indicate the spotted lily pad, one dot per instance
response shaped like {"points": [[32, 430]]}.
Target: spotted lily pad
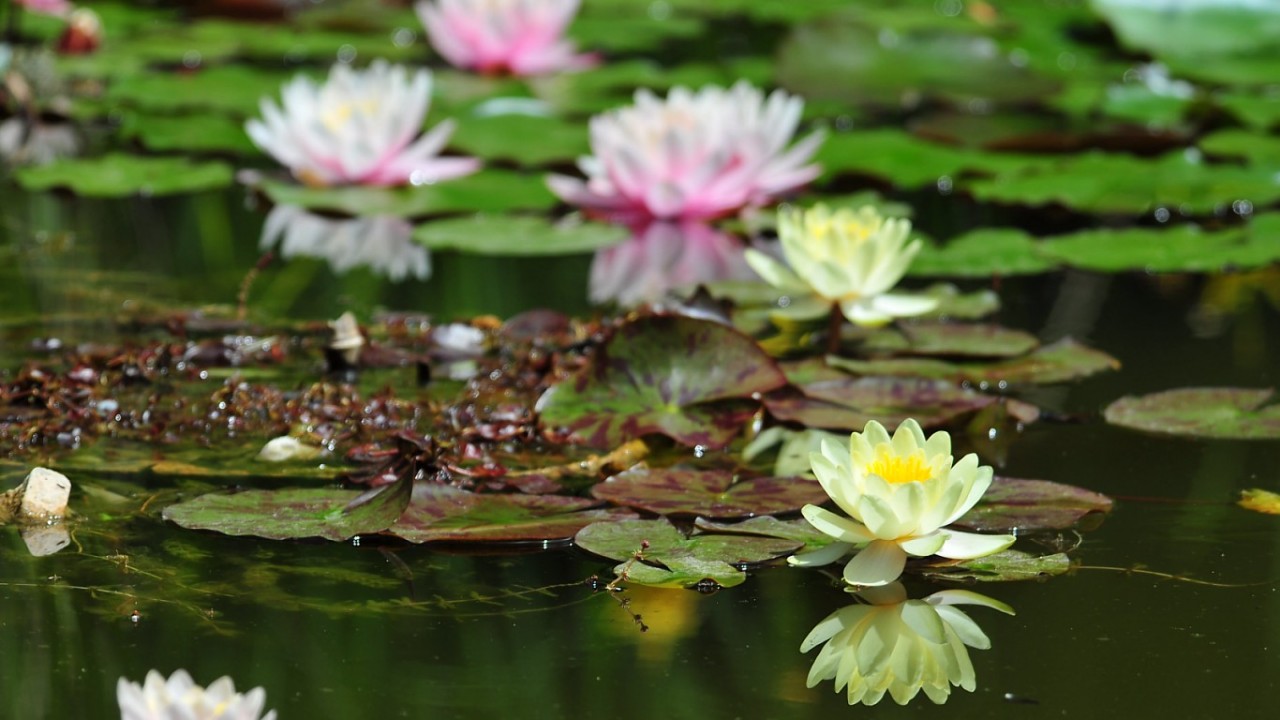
{"points": [[1003, 566], [1015, 504], [1059, 362], [328, 513], [709, 493], [975, 340], [849, 403], [119, 175], [485, 191], [511, 235], [678, 376], [1237, 413], [672, 560], [440, 513]]}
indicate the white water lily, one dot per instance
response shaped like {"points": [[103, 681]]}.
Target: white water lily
{"points": [[692, 155], [851, 258], [900, 494], [359, 127], [179, 698], [895, 646]]}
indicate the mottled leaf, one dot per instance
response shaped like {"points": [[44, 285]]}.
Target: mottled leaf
{"points": [[1014, 504], [1000, 567], [849, 403], [1059, 362], [1236, 413], [709, 493], [440, 513], [678, 376], [976, 340]]}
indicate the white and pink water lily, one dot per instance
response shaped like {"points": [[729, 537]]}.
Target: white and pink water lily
{"points": [[179, 698], [900, 493], [899, 647], [849, 258], [56, 8], [359, 127], [521, 37], [692, 155]]}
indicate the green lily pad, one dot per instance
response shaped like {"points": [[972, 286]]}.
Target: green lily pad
{"points": [[440, 513], [675, 375], [1253, 148], [520, 236], [230, 89], [984, 252], [205, 132], [643, 32], [1235, 413], [485, 191], [1258, 110], [673, 560], [118, 175], [1112, 183], [1059, 362], [968, 339], [895, 156], [327, 513], [528, 140], [1017, 505], [1177, 249], [849, 403], [709, 493], [1004, 566]]}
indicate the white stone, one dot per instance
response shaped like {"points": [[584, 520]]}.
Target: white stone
{"points": [[45, 540], [45, 494]]}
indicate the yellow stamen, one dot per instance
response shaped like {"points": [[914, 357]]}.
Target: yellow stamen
{"points": [[898, 469]]}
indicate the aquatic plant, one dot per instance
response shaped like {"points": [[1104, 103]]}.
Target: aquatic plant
{"points": [[358, 127], [901, 493], [56, 8], [179, 698], [847, 258], [889, 644], [692, 155], [521, 37]]}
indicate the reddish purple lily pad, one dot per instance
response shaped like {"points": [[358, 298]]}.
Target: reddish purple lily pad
{"points": [[964, 339], [679, 376], [328, 513], [709, 493], [1015, 504], [440, 513], [848, 403], [1059, 362], [1235, 413]]}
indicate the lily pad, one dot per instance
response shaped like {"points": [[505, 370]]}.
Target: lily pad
{"points": [[205, 132], [678, 376], [709, 493], [900, 158], [485, 191], [327, 513], [1004, 566], [119, 175], [1178, 249], [968, 339], [440, 513], [1235, 413], [520, 236], [769, 526], [1017, 505], [1062, 361], [229, 89], [672, 560], [525, 139], [849, 403], [983, 253]]}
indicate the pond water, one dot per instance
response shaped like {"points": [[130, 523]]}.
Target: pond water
{"points": [[1172, 605]]}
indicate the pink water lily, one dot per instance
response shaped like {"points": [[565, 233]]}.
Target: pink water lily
{"points": [[693, 155], [57, 8], [521, 37], [359, 127]]}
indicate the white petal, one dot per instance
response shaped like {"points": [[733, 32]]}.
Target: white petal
{"points": [[880, 563], [967, 546]]}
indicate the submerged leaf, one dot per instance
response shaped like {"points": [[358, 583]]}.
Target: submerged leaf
{"points": [[675, 375], [1235, 413], [709, 493]]}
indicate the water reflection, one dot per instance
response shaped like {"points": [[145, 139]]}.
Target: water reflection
{"points": [[886, 643], [382, 243], [662, 257]]}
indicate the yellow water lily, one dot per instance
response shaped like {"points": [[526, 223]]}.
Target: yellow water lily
{"points": [[849, 258], [900, 493], [891, 645]]}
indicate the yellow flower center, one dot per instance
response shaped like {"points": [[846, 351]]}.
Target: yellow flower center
{"points": [[898, 469], [339, 115]]}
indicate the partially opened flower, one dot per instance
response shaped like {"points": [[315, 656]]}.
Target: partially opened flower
{"points": [[382, 243], [663, 257], [694, 155], [522, 37], [898, 646], [359, 127], [900, 494], [847, 258], [179, 698]]}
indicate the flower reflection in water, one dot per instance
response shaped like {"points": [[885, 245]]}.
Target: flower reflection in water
{"points": [[889, 644], [662, 257], [383, 243], [179, 698]]}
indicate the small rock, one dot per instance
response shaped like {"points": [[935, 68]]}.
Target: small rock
{"points": [[45, 540], [44, 494], [287, 448]]}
